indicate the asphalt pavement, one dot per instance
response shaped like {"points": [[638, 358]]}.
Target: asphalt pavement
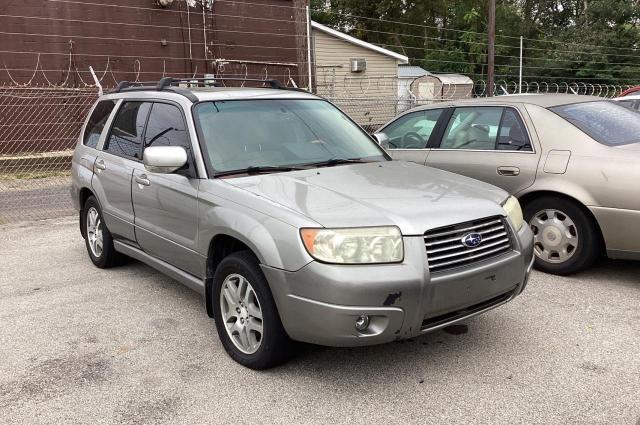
{"points": [[129, 345]]}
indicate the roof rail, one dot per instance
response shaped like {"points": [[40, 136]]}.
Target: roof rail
{"points": [[167, 84], [168, 81]]}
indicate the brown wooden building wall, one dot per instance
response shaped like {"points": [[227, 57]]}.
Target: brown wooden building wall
{"points": [[54, 42], [136, 38]]}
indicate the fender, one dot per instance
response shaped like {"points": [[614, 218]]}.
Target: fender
{"points": [[250, 228]]}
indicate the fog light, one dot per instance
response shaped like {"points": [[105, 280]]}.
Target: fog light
{"points": [[362, 322]]}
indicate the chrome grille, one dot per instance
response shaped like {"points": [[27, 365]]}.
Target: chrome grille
{"points": [[445, 248]]}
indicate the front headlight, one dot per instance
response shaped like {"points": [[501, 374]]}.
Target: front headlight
{"points": [[514, 212], [366, 245]]}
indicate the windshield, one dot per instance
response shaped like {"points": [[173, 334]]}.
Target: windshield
{"points": [[604, 121], [241, 134]]}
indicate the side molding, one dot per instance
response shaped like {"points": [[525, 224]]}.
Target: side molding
{"points": [[186, 279]]}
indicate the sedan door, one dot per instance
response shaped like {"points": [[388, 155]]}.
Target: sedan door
{"points": [[410, 133], [166, 205], [114, 165], [488, 143]]}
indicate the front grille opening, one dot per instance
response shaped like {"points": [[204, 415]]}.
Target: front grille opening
{"points": [[446, 250], [432, 322]]}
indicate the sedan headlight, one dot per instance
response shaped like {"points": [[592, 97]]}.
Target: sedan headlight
{"points": [[514, 212], [366, 245]]}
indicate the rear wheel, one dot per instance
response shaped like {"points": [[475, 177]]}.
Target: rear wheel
{"points": [[565, 238], [245, 314], [98, 240]]}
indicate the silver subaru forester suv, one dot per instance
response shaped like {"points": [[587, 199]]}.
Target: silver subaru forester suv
{"points": [[290, 220]]}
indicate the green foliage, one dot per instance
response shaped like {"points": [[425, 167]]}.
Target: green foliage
{"points": [[565, 40]]}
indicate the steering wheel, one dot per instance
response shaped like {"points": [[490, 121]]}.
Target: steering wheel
{"points": [[412, 140]]}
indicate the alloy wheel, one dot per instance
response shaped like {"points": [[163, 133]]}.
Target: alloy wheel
{"points": [[241, 313], [94, 232]]}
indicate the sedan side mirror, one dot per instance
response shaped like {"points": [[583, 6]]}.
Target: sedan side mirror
{"points": [[382, 139], [164, 159]]}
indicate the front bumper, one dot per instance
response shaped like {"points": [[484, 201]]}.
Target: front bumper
{"points": [[320, 303]]}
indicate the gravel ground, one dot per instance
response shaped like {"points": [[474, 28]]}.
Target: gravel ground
{"points": [[128, 345], [34, 198]]}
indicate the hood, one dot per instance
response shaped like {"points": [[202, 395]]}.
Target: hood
{"points": [[413, 197]]}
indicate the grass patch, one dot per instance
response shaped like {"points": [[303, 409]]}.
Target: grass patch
{"points": [[35, 175]]}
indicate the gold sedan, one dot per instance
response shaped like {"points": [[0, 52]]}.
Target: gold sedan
{"points": [[572, 161]]}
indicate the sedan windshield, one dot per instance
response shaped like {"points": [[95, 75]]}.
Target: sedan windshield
{"points": [[266, 134], [604, 121]]}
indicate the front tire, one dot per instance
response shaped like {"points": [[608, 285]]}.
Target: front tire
{"points": [[245, 314], [97, 237], [566, 240]]}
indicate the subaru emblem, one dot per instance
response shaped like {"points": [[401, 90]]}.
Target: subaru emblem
{"points": [[471, 240]]}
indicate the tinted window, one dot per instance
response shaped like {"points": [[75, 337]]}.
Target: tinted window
{"points": [[243, 133], [412, 131], [513, 135], [604, 121], [127, 130], [473, 128], [97, 121]]}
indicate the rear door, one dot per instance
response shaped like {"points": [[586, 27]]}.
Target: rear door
{"points": [[488, 143], [165, 205], [114, 165], [410, 134]]}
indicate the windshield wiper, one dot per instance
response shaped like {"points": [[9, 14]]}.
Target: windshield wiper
{"points": [[337, 161], [258, 170]]}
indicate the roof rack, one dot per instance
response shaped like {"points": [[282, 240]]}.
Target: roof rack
{"points": [[169, 84], [168, 81]]}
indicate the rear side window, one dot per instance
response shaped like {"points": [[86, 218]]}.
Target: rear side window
{"points": [[604, 121], [513, 135], [473, 128], [125, 138], [96, 123]]}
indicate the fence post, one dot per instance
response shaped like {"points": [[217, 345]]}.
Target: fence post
{"points": [[93, 74], [309, 46], [520, 75]]}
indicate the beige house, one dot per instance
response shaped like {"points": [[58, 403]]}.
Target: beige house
{"points": [[359, 77]]}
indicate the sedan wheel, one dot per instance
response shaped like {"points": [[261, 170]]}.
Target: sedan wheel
{"points": [[565, 237], [555, 236], [241, 313]]}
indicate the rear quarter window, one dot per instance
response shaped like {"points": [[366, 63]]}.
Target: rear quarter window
{"points": [[604, 121], [96, 122]]}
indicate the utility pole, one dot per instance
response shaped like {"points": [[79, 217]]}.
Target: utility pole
{"points": [[491, 50]]}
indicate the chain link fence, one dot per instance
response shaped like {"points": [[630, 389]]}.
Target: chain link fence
{"points": [[38, 130], [40, 125]]}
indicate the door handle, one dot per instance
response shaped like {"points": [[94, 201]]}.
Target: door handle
{"points": [[100, 165], [508, 171], [142, 180]]}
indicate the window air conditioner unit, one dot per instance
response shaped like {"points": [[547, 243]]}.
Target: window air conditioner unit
{"points": [[358, 65]]}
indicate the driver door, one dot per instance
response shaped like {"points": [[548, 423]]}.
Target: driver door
{"points": [[410, 134]]}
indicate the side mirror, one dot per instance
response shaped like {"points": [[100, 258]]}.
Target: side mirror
{"points": [[164, 159], [382, 139]]}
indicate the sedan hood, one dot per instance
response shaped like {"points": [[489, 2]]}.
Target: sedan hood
{"points": [[413, 197]]}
